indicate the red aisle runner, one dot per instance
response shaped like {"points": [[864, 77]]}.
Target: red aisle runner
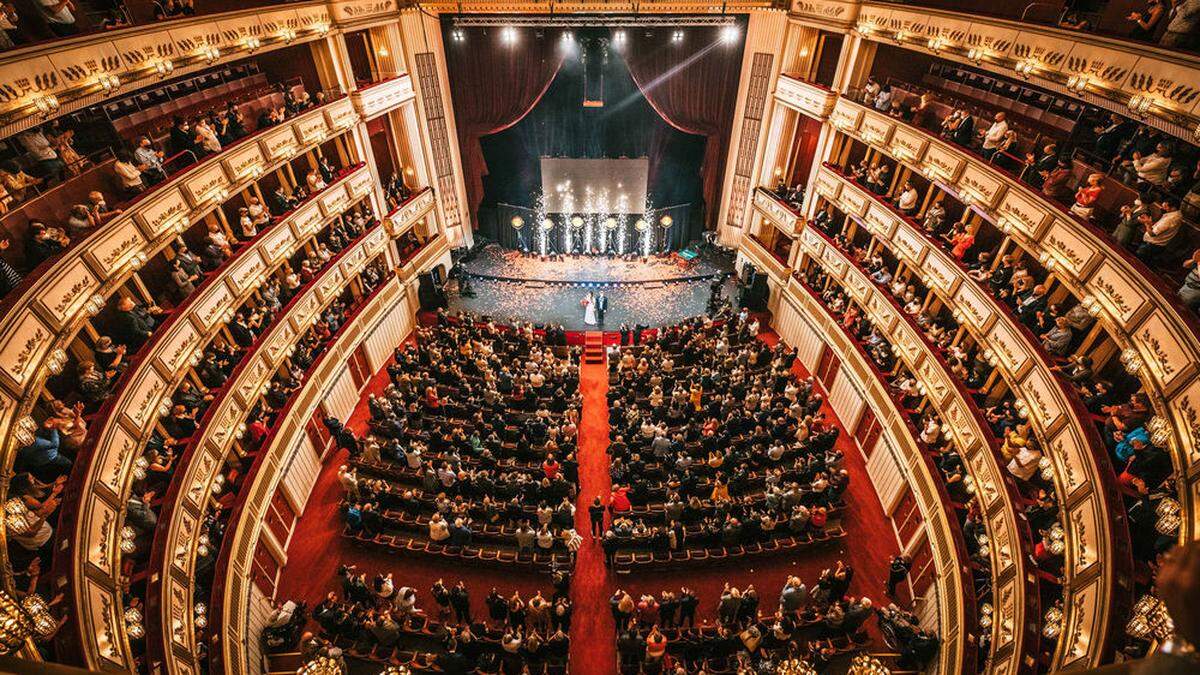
{"points": [[593, 632]]}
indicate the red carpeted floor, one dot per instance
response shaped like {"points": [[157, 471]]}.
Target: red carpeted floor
{"points": [[593, 632], [317, 548]]}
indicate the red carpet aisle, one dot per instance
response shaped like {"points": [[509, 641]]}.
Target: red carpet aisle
{"points": [[593, 632]]}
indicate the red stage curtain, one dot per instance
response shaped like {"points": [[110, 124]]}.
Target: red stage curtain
{"points": [[493, 87], [692, 85]]}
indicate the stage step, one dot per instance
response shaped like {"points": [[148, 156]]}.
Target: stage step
{"points": [[593, 347]]}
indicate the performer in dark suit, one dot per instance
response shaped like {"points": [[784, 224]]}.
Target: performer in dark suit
{"points": [[601, 307]]}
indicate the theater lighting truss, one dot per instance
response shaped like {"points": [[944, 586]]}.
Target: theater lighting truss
{"points": [[596, 21]]}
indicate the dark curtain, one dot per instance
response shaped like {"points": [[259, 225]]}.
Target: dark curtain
{"points": [[693, 85], [493, 86], [561, 126]]}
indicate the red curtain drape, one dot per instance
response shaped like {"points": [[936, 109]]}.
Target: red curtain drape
{"points": [[692, 85], [493, 87]]}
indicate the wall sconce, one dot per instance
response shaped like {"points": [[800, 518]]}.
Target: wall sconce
{"points": [[1160, 431], [108, 82], [1168, 517], [1057, 539], [795, 667], [56, 360], [128, 540], [1025, 67], [210, 54], [322, 665], [195, 358], [1047, 259], [202, 546], [929, 171], [937, 44], [241, 431], [990, 357], [138, 259], [383, 52], [287, 35], [1150, 619], [321, 28], [218, 484], [1092, 304], [1196, 133], [865, 28], [252, 43], [46, 105], [1131, 360], [865, 664], [901, 36], [966, 197], [139, 468], [985, 615], [133, 623], [1052, 621], [977, 54], [201, 612], [1046, 469], [1078, 82], [1140, 104], [94, 304], [21, 621], [969, 484], [164, 67], [26, 430]]}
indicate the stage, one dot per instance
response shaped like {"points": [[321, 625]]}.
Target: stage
{"points": [[510, 286]]}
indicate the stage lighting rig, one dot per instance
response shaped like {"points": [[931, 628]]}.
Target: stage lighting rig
{"points": [[580, 21]]}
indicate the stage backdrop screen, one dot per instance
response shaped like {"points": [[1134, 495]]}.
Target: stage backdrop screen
{"points": [[594, 185]]}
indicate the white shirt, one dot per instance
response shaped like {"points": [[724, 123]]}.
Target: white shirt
{"points": [[908, 199], [995, 134]]}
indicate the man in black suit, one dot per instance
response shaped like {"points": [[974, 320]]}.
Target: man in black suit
{"points": [[601, 307]]}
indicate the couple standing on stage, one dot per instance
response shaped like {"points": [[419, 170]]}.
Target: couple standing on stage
{"points": [[594, 307]]}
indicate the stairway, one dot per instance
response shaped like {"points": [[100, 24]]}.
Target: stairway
{"points": [[593, 347]]}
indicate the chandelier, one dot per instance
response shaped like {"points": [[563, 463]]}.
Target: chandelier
{"points": [[20, 621], [865, 664], [1150, 619], [795, 667], [321, 665]]}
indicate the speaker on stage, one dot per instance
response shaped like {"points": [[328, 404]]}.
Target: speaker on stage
{"points": [[752, 289], [429, 292]]}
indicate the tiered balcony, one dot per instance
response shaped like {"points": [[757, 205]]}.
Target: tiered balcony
{"points": [[44, 314], [1098, 568], [780, 214], [95, 510], [1017, 600], [802, 321], [762, 258], [1139, 310], [388, 310]]}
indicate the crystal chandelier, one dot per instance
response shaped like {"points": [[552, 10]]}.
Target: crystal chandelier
{"points": [[321, 665], [795, 667], [865, 664], [1150, 619]]}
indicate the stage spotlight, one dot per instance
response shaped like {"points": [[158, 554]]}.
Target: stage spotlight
{"points": [[619, 38], [729, 34], [508, 35], [518, 222], [666, 221], [677, 36], [458, 35], [568, 36]]}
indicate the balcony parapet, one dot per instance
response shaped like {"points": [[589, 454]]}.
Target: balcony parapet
{"points": [[779, 213], [1133, 78], [170, 599], [809, 98], [956, 615], [1159, 336], [383, 97], [233, 578], [1098, 560], [755, 252], [93, 515], [1016, 597], [42, 317]]}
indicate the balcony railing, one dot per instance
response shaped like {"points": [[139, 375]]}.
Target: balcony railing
{"points": [[955, 603], [93, 513], [1083, 471], [232, 585], [1142, 314], [1017, 598], [380, 97]]}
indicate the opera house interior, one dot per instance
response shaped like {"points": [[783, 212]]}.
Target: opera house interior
{"points": [[378, 337]]}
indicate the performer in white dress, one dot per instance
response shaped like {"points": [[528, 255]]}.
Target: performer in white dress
{"points": [[589, 309]]}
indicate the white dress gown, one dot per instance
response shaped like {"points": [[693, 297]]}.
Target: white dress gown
{"points": [[589, 313]]}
